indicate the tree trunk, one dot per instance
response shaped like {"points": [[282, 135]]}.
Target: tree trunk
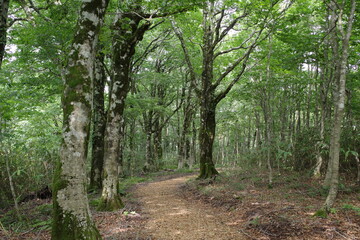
{"points": [[184, 151], [99, 121], [127, 33], [131, 157], [12, 188], [193, 158], [149, 164], [157, 140], [206, 139], [324, 89], [4, 8], [339, 104], [71, 217], [268, 118], [358, 169], [214, 31]]}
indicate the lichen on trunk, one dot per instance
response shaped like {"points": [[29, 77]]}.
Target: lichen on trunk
{"points": [[127, 33], [71, 213]]}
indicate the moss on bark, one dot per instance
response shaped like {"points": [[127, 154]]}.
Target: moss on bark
{"points": [[208, 171], [112, 204], [66, 226]]}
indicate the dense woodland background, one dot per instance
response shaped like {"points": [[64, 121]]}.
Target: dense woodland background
{"points": [[270, 72]]}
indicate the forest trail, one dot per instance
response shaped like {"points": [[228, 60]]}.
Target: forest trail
{"points": [[171, 216]]}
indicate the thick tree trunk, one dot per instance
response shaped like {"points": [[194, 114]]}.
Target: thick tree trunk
{"points": [[99, 121], [127, 34], [214, 31], [4, 8], [72, 218], [206, 139], [207, 99]]}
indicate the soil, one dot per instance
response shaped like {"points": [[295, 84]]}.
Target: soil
{"points": [[171, 216], [233, 207]]}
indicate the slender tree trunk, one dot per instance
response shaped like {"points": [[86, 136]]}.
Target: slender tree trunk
{"points": [[324, 89], [186, 129], [268, 118], [121, 148], [193, 157], [4, 8], [340, 104], [12, 188], [71, 217], [99, 121], [131, 158], [358, 169], [149, 163], [157, 140]]}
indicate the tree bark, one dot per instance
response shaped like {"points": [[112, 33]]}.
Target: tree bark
{"points": [[206, 139], [99, 121], [71, 217], [207, 99], [4, 8]]}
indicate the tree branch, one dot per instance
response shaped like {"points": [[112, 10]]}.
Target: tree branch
{"points": [[241, 46], [223, 94], [220, 37], [187, 58]]}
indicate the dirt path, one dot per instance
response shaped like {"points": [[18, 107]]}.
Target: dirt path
{"points": [[170, 216]]}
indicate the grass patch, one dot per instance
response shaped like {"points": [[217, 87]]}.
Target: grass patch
{"points": [[352, 207], [32, 216], [126, 183]]}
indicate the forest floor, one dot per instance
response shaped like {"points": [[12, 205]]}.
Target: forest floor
{"points": [[236, 205]]}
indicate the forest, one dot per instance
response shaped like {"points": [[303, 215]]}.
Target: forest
{"points": [[179, 119]]}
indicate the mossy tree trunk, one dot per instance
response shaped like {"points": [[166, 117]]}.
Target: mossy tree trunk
{"points": [[99, 120], [206, 138], [4, 8], [127, 32], [216, 26], [71, 214]]}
